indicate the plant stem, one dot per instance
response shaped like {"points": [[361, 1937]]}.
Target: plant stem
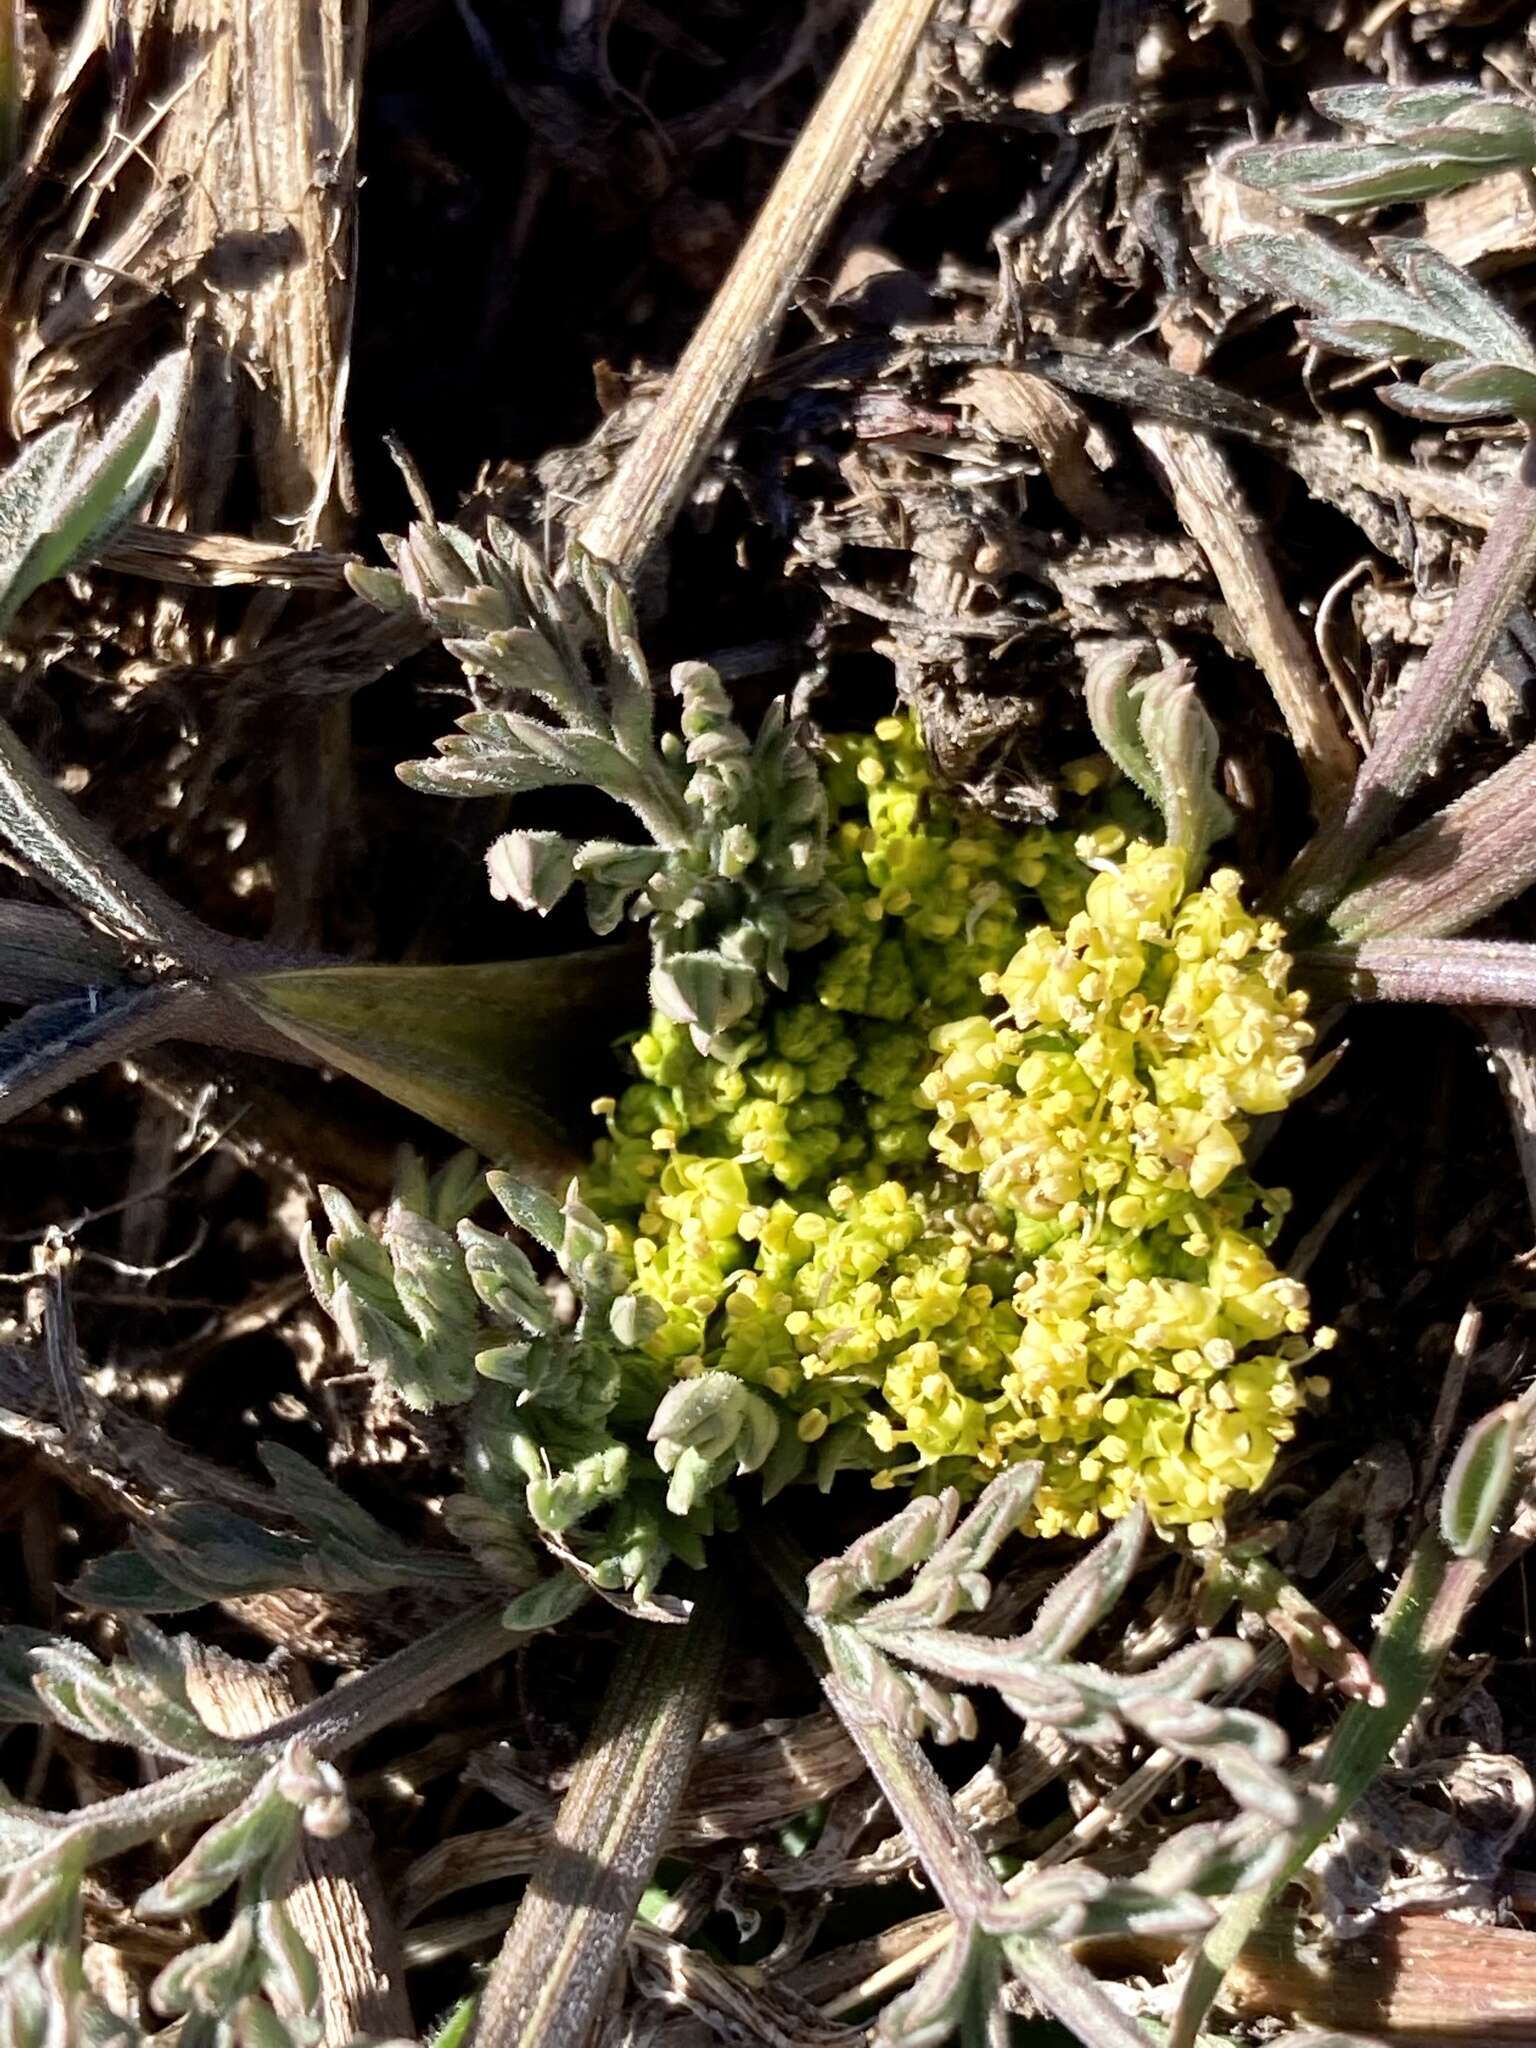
{"points": [[950, 1857], [1310, 1638], [654, 477], [1455, 868], [916, 1794], [1473, 972], [327, 1727], [553, 1971], [1432, 706], [387, 1692], [1417, 1630], [1058, 1981]]}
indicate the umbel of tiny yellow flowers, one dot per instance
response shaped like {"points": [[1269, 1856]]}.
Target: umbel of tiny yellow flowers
{"points": [[934, 1158], [973, 1191]]}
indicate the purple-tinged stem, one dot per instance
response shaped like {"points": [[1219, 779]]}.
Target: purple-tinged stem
{"points": [[1474, 972], [1430, 710], [1452, 870]]}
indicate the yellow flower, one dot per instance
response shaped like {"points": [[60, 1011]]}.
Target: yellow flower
{"points": [[977, 1192]]}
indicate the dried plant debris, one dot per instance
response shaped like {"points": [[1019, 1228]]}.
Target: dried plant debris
{"points": [[1058, 782]]}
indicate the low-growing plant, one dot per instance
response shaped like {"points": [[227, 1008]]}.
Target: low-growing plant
{"points": [[930, 1172]]}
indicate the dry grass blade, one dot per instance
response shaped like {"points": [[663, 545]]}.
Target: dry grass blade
{"points": [[269, 192], [335, 1898], [651, 482], [1420, 1981], [1417, 1982], [13, 35], [735, 2005], [1492, 223], [214, 561]]}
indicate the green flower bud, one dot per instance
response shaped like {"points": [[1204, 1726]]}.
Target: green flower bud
{"points": [[504, 1281], [705, 1430], [531, 869]]}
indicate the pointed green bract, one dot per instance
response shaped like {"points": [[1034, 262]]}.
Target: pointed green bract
{"points": [[502, 1055]]}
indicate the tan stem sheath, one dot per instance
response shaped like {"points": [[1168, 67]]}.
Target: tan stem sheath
{"points": [[1216, 515]]}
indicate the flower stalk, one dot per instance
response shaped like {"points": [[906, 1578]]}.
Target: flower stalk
{"points": [[1466, 973], [1454, 869], [1442, 1579], [549, 1981]]}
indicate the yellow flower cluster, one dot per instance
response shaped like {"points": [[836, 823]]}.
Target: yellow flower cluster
{"points": [[1133, 1045], [929, 904], [943, 1240]]}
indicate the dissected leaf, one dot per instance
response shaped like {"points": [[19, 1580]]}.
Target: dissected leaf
{"points": [[1434, 138]]}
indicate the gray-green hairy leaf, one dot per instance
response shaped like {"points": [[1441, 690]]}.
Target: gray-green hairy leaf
{"points": [[891, 1653], [202, 1551], [956, 1993], [1421, 140], [68, 492], [573, 1437], [732, 873], [1419, 307]]}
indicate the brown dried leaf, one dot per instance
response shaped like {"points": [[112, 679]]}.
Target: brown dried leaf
{"points": [[1019, 406]]}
